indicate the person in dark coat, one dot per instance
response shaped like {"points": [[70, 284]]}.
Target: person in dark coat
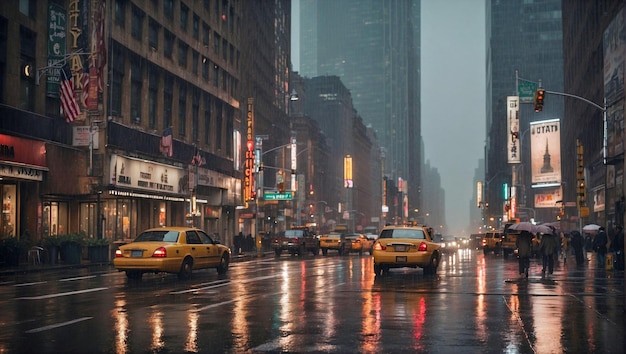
{"points": [[524, 251], [578, 244], [618, 248], [599, 246], [548, 248]]}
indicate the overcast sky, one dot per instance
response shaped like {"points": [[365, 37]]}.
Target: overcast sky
{"points": [[453, 97]]}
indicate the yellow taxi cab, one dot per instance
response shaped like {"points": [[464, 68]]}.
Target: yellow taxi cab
{"points": [[334, 241], [406, 246], [177, 250], [360, 243]]}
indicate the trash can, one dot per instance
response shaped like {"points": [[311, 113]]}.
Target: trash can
{"points": [[609, 261]]}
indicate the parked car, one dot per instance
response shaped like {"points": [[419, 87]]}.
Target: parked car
{"points": [[177, 250], [297, 240], [401, 246], [359, 243], [334, 241]]}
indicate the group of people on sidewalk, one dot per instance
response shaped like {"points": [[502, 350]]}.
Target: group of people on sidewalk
{"points": [[552, 243]]}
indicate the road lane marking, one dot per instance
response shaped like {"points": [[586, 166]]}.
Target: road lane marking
{"points": [[49, 296], [29, 284], [78, 278], [45, 328], [233, 300], [198, 289]]}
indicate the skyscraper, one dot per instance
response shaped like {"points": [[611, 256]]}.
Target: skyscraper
{"points": [[525, 37], [373, 47]]}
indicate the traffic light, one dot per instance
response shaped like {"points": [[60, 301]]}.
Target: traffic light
{"points": [[539, 94]]}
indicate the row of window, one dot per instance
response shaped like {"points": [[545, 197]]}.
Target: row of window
{"points": [[221, 46], [218, 118]]}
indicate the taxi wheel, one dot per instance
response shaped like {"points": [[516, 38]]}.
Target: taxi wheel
{"points": [[324, 251], [431, 268], [185, 269], [133, 274], [380, 270], [223, 267]]}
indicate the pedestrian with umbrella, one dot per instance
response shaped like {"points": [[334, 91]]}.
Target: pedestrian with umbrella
{"points": [[549, 245], [524, 251], [599, 246]]}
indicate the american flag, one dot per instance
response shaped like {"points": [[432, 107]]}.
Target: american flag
{"points": [[197, 159], [66, 93], [84, 95], [166, 143]]}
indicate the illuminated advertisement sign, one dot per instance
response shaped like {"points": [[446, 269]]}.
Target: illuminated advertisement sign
{"points": [[545, 152], [248, 178]]}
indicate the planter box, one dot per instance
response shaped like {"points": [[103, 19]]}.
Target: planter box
{"points": [[71, 253], [53, 254], [98, 254]]}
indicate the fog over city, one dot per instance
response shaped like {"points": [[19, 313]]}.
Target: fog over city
{"points": [[452, 97]]}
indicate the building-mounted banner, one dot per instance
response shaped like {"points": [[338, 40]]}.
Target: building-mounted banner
{"points": [[548, 197], [138, 174], [512, 122], [545, 152]]}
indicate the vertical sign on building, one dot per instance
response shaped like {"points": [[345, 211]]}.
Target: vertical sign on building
{"points": [[513, 143], [57, 29], [347, 172], [248, 180], [479, 194]]}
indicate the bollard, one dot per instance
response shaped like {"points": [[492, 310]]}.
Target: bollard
{"points": [[609, 262]]}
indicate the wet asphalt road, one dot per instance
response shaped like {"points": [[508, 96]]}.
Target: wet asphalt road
{"points": [[326, 304]]}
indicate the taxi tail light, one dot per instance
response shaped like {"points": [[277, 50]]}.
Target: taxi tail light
{"points": [[423, 247], [160, 252], [118, 253], [379, 247]]}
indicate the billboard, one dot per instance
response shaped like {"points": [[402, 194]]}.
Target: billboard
{"points": [[545, 153], [512, 121]]}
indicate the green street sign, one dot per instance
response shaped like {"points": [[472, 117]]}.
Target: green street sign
{"points": [[277, 196], [526, 91]]}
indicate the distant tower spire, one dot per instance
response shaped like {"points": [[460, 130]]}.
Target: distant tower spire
{"points": [[546, 168]]}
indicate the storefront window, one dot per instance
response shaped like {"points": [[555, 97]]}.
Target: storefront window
{"points": [[120, 219], [88, 219], [7, 223], [55, 218]]}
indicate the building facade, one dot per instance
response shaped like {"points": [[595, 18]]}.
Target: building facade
{"points": [[158, 135], [377, 58], [524, 45]]}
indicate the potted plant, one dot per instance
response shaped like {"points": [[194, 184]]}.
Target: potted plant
{"points": [[10, 250], [52, 245], [72, 247], [98, 249]]}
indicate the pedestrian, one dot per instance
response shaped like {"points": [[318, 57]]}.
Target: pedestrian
{"points": [[599, 246], [238, 242], [564, 246], [578, 244], [618, 248], [524, 251], [549, 246]]}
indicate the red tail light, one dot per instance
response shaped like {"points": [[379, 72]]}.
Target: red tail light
{"points": [[118, 253], [423, 247], [160, 252], [296, 240], [379, 247]]}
